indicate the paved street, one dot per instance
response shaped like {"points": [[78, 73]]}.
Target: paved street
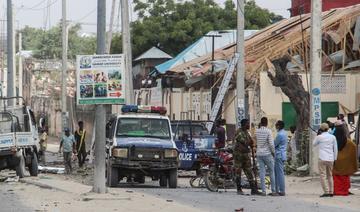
{"points": [[201, 198], [10, 199], [57, 192]]}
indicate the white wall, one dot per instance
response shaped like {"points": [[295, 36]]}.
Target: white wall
{"points": [[271, 98]]}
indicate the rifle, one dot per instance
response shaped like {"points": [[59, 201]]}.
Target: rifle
{"points": [[253, 161], [254, 166]]}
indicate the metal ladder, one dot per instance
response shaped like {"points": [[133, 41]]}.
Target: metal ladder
{"points": [[222, 91]]}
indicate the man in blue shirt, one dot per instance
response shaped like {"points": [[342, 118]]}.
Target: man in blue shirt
{"points": [[67, 143], [280, 157]]}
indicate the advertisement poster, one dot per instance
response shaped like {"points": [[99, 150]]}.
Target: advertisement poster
{"points": [[100, 79]]}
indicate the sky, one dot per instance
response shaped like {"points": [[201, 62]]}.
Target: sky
{"points": [[47, 13]]}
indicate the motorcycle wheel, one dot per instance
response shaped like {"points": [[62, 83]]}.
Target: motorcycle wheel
{"points": [[197, 182], [210, 181]]}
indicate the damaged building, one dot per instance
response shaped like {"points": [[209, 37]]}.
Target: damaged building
{"points": [[189, 81]]}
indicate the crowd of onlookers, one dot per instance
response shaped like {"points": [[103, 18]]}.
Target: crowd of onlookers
{"points": [[337, 159]]}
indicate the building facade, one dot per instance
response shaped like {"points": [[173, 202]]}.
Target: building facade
{"points": [[304, 6], [340, 94]]}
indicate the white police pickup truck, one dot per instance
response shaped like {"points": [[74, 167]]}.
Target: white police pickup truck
{"points": [[139, 144], [18, 138]]}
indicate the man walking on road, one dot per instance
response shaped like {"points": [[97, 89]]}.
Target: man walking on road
{"points": [[328, 151], [80, 143], [280, 157], [67, 143], [265, 154], [242, 148]]}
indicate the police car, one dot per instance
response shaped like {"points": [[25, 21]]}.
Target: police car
{"points": [[191, 138], [139, 144]]}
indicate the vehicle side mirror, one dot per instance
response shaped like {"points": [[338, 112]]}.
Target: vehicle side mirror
{"points": [[351, 118]]}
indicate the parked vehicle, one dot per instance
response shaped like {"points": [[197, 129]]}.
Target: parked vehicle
{"points": [[219, 170], [18, 138], [191, 138], [139, 144]]}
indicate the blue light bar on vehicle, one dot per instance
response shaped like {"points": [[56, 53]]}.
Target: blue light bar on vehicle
{"points": [[129, 109], [143, 109]]}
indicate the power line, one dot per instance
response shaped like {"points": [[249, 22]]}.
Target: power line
{"points": [[87, 15], [36, 5], [38, 9]]}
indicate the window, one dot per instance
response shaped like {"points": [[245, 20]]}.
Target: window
{"points": [[143, 127], [333, 85]]}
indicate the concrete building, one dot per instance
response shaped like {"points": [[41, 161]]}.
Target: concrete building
{"points": [[340, 94]]}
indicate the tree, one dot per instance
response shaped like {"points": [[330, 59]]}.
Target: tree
{"points": [[291, 85], [257, 17], [48, 44], [173, 26]]}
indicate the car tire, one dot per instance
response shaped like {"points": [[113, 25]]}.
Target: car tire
{"points": [[20, 168], [163, 181], [173, 178], [33, 167], [112, 176]]}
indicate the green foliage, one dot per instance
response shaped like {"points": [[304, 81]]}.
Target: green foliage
{"points": [[173, 26], [167, 24], [116, 44], [257, 17], [48, 44]]}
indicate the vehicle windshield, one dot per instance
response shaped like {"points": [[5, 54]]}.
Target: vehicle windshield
{"points": [[197, 130], [143, 127]]}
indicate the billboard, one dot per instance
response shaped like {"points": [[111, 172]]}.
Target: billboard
{"points": [[100, 79]]}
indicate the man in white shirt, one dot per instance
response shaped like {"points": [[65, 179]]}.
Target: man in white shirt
{"points": [[327, 155], [265, 155]]}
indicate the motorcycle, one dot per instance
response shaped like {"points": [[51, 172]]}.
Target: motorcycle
{"points": [[218, 170]]}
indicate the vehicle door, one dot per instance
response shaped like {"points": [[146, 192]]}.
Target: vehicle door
{"points": [[185, 145]]}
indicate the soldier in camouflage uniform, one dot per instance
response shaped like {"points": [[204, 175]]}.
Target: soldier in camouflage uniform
{"points": [[242, 150]]}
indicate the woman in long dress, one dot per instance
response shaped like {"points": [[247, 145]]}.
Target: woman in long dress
{"points": [[346, 162]]}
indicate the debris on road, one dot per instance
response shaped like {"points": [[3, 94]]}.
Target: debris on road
{"points": [[52, 170], [12, 179], [86, 199]]}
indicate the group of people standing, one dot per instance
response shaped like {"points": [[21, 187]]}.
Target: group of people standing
{"points": [[337, 157], [73, 146], [270, 153]]}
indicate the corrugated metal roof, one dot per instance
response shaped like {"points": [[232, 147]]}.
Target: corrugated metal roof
{"points": [[202, 47], [153, 53]]}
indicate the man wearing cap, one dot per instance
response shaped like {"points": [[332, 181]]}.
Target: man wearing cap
{"points": [[327, 155], [67, 143]]}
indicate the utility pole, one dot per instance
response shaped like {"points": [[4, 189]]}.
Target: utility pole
{"points": [[20, 83], [100, 113], [109, 35], [213, 49], [315, 78], [10, 53], [64, 112], [126, 42], [2, 74], [240, 74]]}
